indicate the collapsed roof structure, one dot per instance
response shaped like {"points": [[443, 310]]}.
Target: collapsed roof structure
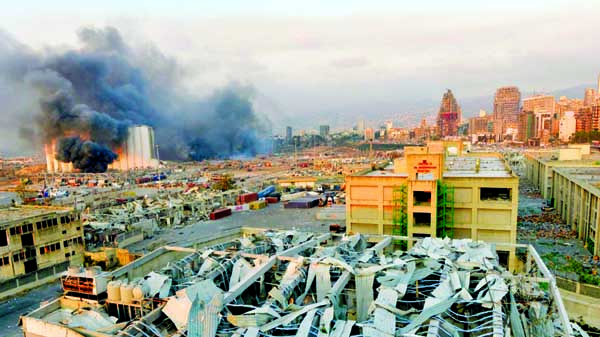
{"points": [[267, 283]]}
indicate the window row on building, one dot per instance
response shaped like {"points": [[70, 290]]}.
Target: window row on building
{"points": [[18, 230], [73, 241], [23, 255], [47, 249]]}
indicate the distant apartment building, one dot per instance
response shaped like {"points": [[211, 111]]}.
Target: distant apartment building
{"points": [[583, 119], [564, 105], [480, 128], [288, 135], [449, 116], [539, 103], [324, 131], [398, 134], [360, 126], [544, 108], [595, 117], [567, 126], [369, 134], [422, 132], [507, 102], [37, 244], [526, 126], [589, 97], [389, 125]]}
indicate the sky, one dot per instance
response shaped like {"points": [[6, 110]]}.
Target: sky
{"points": [[335, 62]]}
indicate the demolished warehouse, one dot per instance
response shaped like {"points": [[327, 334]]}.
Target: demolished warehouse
{"points": [[295, 283]]}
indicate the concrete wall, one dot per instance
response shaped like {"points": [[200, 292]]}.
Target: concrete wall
{"points": [[580, 307], [42, 238], [493, 221], [32, 280], [584, 148], [569, 154], [369, 203], [35, 326], [578, 206]]}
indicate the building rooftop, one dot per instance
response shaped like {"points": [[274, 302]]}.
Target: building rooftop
{"points": [[551, 157], [384, 173], [11, 214], [489, 167], [587, 177]]}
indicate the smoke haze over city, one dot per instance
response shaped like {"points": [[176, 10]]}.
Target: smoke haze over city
{"points": [[91, 94], [305, 65]]}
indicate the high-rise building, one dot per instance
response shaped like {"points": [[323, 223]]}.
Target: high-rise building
{"points": [[324, 131], [369, 134], [567, 126], [583, 119], [544, 109], [388, 125], [595, 117], [288, 134], [449, 116], [589, 97], [526, 126], [361, 126], [479, 125], [539, 103], [507, 102]]}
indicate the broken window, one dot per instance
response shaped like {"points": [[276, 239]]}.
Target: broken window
{"points": [[422, 219], [27, 240], [30, 266], [503, 258], [421, 198], [3, 238], [421, 235], [495, 194]]}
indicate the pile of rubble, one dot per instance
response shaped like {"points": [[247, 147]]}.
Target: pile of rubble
{"points": [[297, 284], [545, 225]]}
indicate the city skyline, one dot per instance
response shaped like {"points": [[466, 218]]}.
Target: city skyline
{"points": [[330, 62]]}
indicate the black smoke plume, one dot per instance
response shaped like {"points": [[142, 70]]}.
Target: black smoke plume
{"points": [[85, 155], [88, 97]]}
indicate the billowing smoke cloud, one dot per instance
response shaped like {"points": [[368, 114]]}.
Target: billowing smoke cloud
{"points": [[85, 155], [89, 96]]}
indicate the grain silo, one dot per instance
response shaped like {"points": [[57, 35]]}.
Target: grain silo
{"points": [[137, 152]]}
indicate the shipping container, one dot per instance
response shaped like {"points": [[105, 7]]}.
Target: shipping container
{"points": [[271, 200], [247, 198], [266, 191], [302, 203], [220, 213], [240, 208], [256, 205]]}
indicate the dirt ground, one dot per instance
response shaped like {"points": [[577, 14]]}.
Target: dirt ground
{"points": [[546, 231], [274, 216]]}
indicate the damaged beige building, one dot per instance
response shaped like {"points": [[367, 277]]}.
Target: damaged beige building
{"points": [[37, 244], [438, 191]]}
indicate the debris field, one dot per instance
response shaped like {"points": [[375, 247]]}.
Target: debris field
{"points": [[303, 284]]}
